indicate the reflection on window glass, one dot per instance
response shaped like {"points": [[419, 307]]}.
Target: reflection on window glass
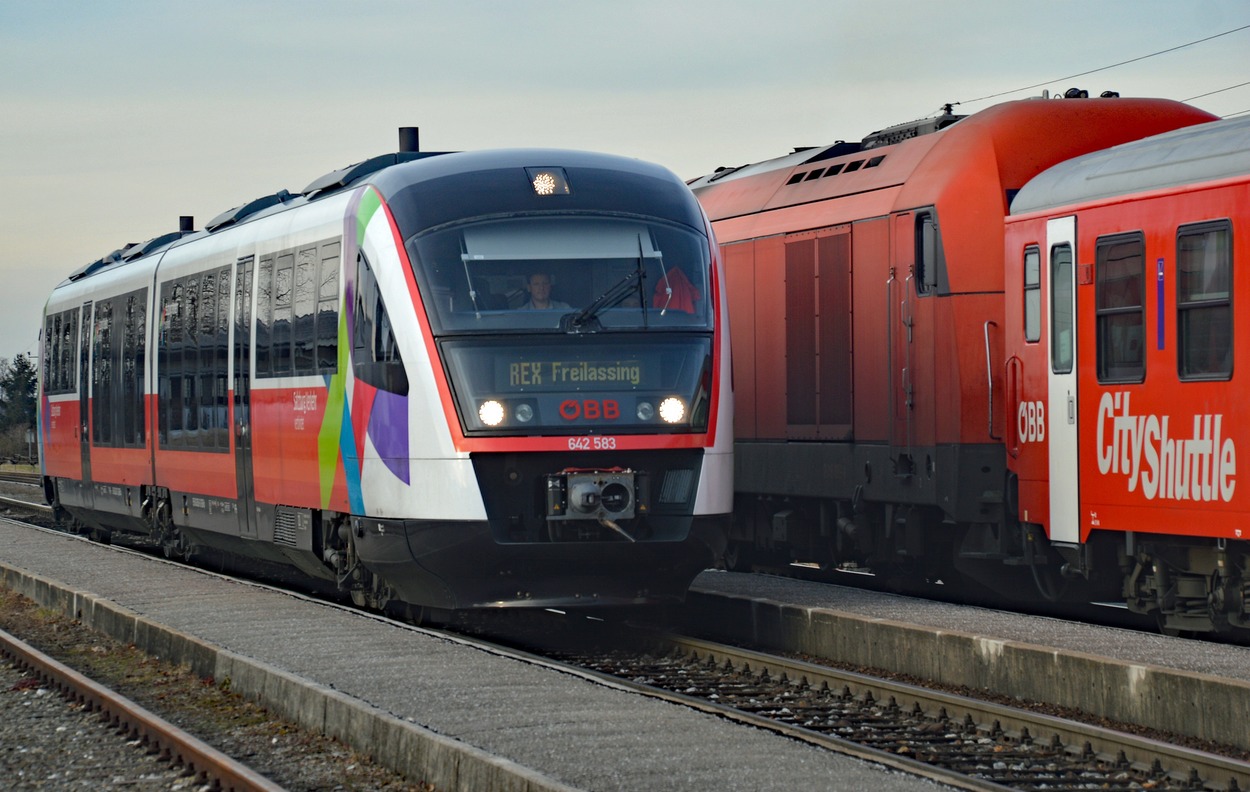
{"points": [[1062, 318], [1119, 294], [1032, 294], [1203, 301], [542, 273]]}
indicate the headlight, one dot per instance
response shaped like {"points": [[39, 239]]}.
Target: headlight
{"points": [[491, 413], [524, 413], [672, 410], [646, 411]]}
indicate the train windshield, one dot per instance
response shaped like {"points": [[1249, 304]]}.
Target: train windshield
{"points": [[563, 274]]}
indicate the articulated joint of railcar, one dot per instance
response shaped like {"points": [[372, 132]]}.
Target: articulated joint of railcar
{"points": [[604, 496], [157, 509], [1189, 588]]}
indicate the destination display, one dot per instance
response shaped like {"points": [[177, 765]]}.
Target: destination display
{"points": [[595, 374], [640, 383]]}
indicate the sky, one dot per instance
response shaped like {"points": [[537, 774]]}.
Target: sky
{"points": [[117, 117]]}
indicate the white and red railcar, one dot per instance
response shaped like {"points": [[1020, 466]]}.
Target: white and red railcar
{"points": [[1123, 328], [345, 382]]}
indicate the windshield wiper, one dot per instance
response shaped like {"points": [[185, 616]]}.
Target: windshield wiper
{"points": [[587, 319]]}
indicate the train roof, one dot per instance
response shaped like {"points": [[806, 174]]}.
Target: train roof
{"points": [[494, 182], [395, 173], [1192, 155], [1000, 147]]}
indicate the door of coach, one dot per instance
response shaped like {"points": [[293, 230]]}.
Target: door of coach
{"points": [[1061, 409]]}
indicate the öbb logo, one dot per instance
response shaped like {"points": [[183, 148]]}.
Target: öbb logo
{"points": [[590, 409], [1031, 422]]}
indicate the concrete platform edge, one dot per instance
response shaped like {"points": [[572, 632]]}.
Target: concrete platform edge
{"points": [[1192, 704], [415, 752]]}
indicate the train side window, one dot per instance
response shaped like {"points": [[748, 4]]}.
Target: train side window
{"points": [[192, 362], [169, 350], [930, 261], [303, 331], [60, 341], [283, 283], [190, 358], [133, 350], [102, 375], [1204, 301], [375, 350], [221, 363], [264, 317], [1032, 294], [1120, 308], [327, 334], [1062, 316]]}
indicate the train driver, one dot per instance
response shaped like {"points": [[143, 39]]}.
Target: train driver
{"points": [[539, 287]]}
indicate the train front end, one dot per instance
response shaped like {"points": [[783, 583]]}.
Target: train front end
{"points": [[571, 349]]}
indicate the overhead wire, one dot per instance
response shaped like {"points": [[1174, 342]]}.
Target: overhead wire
{"points": [[1212, 93], [1112, 66]]}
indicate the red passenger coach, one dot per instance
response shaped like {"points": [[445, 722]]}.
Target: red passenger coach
{"points": [[446, 382], [878, 375], [1122, 332]]}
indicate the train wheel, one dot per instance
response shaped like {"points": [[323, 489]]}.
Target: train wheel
{"points": [[739, 556]]}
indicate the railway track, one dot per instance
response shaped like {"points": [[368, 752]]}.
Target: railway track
{"points": [[14, 477], [154, 732], [965, 742]]}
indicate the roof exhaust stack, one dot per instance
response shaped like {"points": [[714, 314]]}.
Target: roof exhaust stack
{"points": [[409, 139], [186, 224]]}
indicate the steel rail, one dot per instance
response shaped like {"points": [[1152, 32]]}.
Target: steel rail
{"points": [[1178, 762], [180, 746]]}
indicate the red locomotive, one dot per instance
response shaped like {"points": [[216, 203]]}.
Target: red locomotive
{"points": [[898, 380]]}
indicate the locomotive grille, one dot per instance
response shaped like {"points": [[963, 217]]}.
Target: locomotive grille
{"points": [[284, 526], [676, 488]]}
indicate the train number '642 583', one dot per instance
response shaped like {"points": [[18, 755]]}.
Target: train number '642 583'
{"points": [[592, 443]]}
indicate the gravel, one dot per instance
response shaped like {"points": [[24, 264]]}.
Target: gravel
{"points": [[48, 743]]}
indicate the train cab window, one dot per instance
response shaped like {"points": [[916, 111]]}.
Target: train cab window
{"points": [[1120, 296], [930, 264], [1204, 301], [606, 274], [1032, 294]]}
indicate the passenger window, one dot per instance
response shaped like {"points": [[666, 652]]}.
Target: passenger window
{"points": [[929, 261], [1204, 301], [1032, 294], [1062, 315], [1120, 296]]}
